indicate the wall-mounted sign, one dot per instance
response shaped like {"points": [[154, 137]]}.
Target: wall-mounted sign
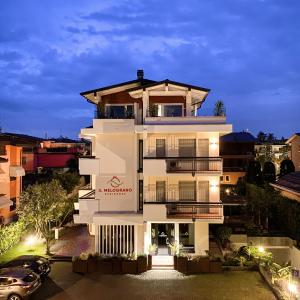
{"points": [[115, 187]]}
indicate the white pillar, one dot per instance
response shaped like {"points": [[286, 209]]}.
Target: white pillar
{"points": [[201, 238], [147, 237], [188, 104], [145, 103]]}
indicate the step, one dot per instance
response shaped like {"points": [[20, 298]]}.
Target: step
{"points": [[157, 267]]}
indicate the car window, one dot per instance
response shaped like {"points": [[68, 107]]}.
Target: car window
{"points": [[29, 278], [4, 281]]}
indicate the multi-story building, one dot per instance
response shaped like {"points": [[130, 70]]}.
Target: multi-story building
{"points": [[11, 173], [294, 143], [155, 167]]}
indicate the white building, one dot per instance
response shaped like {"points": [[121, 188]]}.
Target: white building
{"points": [[155, 168]]}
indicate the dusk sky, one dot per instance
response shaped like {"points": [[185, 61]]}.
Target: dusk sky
{"points": [[246, 51]]}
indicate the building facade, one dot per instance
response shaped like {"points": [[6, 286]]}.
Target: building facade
{"points": [[294, 143], [155, 168], [11, 173]]}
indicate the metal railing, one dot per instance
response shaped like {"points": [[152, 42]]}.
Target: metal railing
{"points": [[111, 115], [89, 195], [205, 210], [197, 164]]}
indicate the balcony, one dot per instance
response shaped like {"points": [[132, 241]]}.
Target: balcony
{"points": [[194, 165], [89, 165], [203, 211], [198, 165], [195, 211]]}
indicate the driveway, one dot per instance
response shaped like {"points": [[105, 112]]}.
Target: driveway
{"points": [[62, 284]]}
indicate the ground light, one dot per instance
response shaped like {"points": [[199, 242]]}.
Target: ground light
{"points": [[261, 249], [31, 240], [292, 287]]}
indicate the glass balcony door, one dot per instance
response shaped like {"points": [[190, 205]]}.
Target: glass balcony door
{"points": [[187, 147], [187, 191]]}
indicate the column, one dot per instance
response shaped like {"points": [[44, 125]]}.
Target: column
{"points": [[145, 103], [201, 238], [188, 104]]}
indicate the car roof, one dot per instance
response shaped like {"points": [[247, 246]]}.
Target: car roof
{"points": [[14, 272], [28, 257]]}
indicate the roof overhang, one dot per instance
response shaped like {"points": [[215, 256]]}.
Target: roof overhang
{"points": [[283, 188], [16, 171], [292, 138]]}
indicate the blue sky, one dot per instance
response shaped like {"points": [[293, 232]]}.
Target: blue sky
{"points": [[246, 51]]}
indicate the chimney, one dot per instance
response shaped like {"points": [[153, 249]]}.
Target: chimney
{"points": [[140, 74]]}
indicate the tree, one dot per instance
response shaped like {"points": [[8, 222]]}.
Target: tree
{"points": [[72, 164], [68, 180], [269, 172], [265, 154], [43, 205], [286, 167], [261, 137], [270, 138], [219, 109], [254, 174]]}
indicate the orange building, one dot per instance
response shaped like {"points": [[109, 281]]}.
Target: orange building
{"points": [[11, 172]]}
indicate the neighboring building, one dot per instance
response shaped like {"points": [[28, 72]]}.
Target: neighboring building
{"points": [[11, 173], [289, 185], [294, 142], [41, 154], [155, 167], [236, 150], [276, 150]]}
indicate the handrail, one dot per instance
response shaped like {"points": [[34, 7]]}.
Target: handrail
{"points": [[89, 195]]}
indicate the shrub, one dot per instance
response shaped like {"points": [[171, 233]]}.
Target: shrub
{"points": [[223, 233], [10, 235]]}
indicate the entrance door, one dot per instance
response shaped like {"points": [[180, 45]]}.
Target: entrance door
{"points": [[162, 235]]}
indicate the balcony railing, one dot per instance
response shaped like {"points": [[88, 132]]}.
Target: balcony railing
{"points": [[111, 115], [194, 165], [205, 210]]}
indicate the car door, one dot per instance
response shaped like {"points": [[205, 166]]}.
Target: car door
{"points": [[5, 289]]}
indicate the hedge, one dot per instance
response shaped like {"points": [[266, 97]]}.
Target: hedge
{"points": [[10, 235]]}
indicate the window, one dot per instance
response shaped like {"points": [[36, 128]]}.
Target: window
{"points": [[187, 236], [187, 190], [14, 205], [173, 110], [120, 111], [160, 148], [187, 147], [227, 178], [160, 191], [141, 155], [141, 194], [24, 161], [221, 178]]}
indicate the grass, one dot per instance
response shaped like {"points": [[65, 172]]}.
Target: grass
{"points": [[22, 249]]}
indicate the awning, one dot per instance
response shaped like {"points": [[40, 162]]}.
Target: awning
{"points": [[16, 171], [5, 202]]}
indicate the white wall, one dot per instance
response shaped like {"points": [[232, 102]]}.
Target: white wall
{"points": [[201, 237]]}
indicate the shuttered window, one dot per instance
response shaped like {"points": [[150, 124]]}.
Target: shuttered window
{"points": [[187, 147], [187, 190]]}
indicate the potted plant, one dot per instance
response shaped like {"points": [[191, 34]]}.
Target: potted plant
{"points": [[129, 265], [80, 263], [182, 261], [105, 265], [174, 250], [152, 251], [117, 264], [92, 263], [141, 263], [215, 264], [198, 264]]}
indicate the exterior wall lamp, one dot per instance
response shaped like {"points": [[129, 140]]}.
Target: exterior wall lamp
{"points": [[214, 187]]}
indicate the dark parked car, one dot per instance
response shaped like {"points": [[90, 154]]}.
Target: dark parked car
{"points": [[18, 283], [38, 264]]}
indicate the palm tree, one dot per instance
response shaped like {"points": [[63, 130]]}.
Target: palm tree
{"points": [[219, 109]]}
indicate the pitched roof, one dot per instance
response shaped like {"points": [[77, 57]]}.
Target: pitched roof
{"points": [[238, 137], [167, 81], [19, 138], [292, 137], [142, 82], [290, 181]]}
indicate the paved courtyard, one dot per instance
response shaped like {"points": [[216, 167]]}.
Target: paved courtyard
{"points": [[62, 284]]}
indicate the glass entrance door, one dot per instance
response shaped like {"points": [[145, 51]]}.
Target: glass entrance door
{"points": [[162, 235]]}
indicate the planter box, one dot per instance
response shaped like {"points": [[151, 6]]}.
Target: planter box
{"points": [[175, 262], [141, 264], [200, 266], [116, 266], [92, 265], [182, 264], [215, 266], [80, 266], [149, 262], [129, 267], [105, 266]]}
